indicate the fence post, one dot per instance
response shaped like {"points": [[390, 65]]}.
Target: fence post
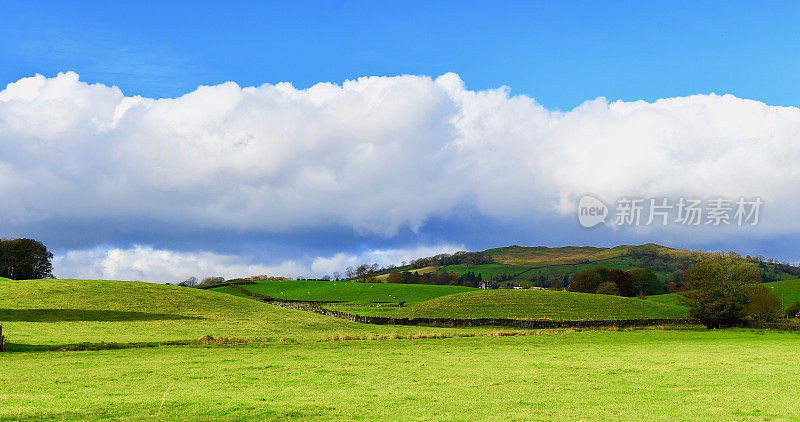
{"points": [[2, 340]]}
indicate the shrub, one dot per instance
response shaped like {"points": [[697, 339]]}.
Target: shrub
{"points": [[608, 288], [586, 281]]}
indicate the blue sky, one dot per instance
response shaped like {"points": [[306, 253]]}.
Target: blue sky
{"points": [[557, 55], [561, 53]]}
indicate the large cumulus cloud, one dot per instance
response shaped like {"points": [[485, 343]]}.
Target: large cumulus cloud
{"points": [[144, 263], [376, 154]]}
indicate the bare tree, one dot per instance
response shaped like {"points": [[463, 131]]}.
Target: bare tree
{"points": [[365, 273], [189, 282]]}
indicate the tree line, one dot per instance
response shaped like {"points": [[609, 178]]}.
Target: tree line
{"points": [[458, 258], [468, 279], [602, 280]]}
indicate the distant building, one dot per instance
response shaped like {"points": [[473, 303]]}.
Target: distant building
{"points": [[483, 284]]}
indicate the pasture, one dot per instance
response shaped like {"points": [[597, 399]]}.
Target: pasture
{"points": [[530, 304], [647, 374], [52, 313], [346, 291], [272, 363]]}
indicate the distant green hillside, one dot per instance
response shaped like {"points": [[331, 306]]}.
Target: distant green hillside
{"points": [[545, 266], [532, 304], [344, 291], [788, 290], [535, 256]]}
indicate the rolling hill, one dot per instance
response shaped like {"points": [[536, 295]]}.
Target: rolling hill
{"points": [[530, 304], [58, 312], [346, 291], [545, 266]]}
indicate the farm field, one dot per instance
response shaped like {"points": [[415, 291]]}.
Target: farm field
{"points": [[557, 375], [42, 313], [346, 291], [529, 304], [788, 290]]}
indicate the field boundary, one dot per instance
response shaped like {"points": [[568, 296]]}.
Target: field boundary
{"points": [[482, 322], [225, 283], [781, 326]]}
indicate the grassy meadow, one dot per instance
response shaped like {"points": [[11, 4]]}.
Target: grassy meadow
{"points": [[529, 304], [49, 313], [648, 374], [302, 365], [346, 291]]}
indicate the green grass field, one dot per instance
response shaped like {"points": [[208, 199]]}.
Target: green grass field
{"points": [[344, 291], [788, 290], [60, 312], [653, 375], [307, 366], [529, 304]]}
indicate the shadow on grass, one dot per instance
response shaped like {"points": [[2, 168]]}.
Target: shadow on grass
{"points": [[64, 315], [74, 347]]}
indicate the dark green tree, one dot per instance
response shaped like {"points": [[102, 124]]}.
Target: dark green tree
{"points": [[645, 280], [716, 289], [25, 259], [587, 281], [762, 304]]}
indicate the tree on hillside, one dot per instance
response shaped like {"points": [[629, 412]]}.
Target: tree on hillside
{"points": [[365, 273], [608, 288], [586, 281], [623, 280], [189, 282], [395, 277], [715, 289], [25, 259], [645, 280], [211, 280], [762, 304]]}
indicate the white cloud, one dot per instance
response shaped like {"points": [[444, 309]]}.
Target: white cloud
{"points": [[376, 154], [144, 263]]}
